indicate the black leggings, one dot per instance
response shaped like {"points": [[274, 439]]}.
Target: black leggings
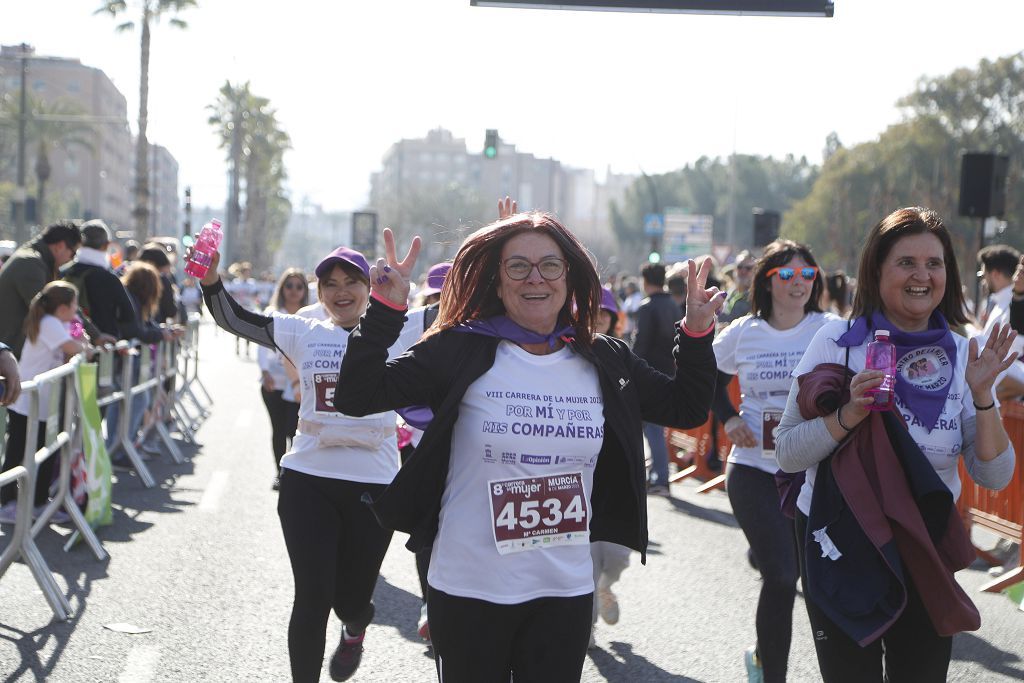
{"points": [[755, 503], [910, 649], [336, 548], [14, 455], [476, 641], [284, 420]]}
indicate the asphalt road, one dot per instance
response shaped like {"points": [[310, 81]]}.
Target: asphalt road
{"points": [[199, 562]]}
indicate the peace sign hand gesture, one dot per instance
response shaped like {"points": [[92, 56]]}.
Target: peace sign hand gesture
{"points": [[390, 278], [702, 305], [983, 367]]}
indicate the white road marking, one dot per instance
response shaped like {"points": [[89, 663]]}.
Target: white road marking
{"points": [[214, 491], [243, 419], [141, 664]]}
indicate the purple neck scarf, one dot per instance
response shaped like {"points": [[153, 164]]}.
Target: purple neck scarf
{"points": [[502, 327], [925, 362]]}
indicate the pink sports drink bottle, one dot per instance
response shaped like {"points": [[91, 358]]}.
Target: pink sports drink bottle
{"points": [[882, 356], [205, 247]]}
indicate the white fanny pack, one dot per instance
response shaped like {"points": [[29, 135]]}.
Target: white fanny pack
{"points": [[369, 436]]}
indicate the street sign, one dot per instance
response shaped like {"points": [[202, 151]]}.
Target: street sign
{"points": [[686, 235], [364, 233], [654, 225]]}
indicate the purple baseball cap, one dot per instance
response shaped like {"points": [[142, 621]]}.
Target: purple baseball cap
{"points": [[342, 255], [435, 278], [608, 302]]}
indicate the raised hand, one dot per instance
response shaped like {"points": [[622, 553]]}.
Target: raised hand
{"points": [[983, 367], [389, 277], [702, 305], [507, 207], [212, 275]]}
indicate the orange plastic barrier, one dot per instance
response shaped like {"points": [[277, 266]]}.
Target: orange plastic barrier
{"points": [[1001, 512], [688, 449]]}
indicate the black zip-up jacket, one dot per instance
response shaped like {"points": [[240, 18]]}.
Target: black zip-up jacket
{"points": [[437, 371]]}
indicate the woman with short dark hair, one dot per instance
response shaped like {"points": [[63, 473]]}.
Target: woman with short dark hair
{"points": [[877, 526], [535, 445]]}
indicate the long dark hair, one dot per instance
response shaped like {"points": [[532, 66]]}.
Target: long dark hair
{"points": [[776, 255], [914, 220], [470, 290], [278, 297]]}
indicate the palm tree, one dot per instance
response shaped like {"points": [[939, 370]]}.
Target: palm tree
{"points": [[151, 10], [255, 144]]}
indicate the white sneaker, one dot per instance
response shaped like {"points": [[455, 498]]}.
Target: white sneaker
{"points": [[9, 512], [607, 603], [423, 624]]}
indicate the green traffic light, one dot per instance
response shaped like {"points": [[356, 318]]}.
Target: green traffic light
{"points": [[490, 152], [654, 257]]}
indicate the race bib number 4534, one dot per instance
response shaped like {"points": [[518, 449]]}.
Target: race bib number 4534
{"points": [[535, 513]]}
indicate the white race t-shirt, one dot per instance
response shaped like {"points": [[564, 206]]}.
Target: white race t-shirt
{"points": [[39, 356], [943, 444], [360, 449], [515, 513], [763, 359]]}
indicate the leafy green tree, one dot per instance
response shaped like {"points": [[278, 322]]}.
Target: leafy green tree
{"points": [[712, 187], [148, 12], [917, 163]]}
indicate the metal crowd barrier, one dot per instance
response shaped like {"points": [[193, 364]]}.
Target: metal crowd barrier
{"points": [[62, 434], [174, 362]]}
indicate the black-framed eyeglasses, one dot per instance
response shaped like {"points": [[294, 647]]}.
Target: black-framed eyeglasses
{"points": [[519, 268]]}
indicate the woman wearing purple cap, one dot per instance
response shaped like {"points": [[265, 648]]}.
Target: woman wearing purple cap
{"points": [[334, 543], [878, 531], [535, 448]]}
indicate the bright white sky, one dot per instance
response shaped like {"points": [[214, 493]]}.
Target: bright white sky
{"points": [[592, 89]]}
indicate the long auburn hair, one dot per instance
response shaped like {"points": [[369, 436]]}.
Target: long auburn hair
{"points": [[913, 220], [776, 255], [470, 290], [143, 281], [45, 302]]}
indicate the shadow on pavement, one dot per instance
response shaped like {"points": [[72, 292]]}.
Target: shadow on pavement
{"points": [[79, 567], [623, 665], [399, 609], [968, 647], [708, 515]]}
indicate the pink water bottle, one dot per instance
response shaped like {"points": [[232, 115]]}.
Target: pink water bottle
{"points": [[205, 246], [882, 356]]}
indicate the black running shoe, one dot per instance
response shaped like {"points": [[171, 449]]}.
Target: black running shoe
{"points": [[345, 659]]}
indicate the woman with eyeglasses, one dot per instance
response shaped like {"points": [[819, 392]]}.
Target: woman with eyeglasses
{"points": [[535, 449], [878, 531], [762, 348], [279, 391]]}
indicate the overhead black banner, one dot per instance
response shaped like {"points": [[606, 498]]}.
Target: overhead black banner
{"points": [[806, 8]]}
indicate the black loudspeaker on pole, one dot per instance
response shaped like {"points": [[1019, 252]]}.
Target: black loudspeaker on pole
{"points": [[982, 194], [766, 227], [983, 184]]}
